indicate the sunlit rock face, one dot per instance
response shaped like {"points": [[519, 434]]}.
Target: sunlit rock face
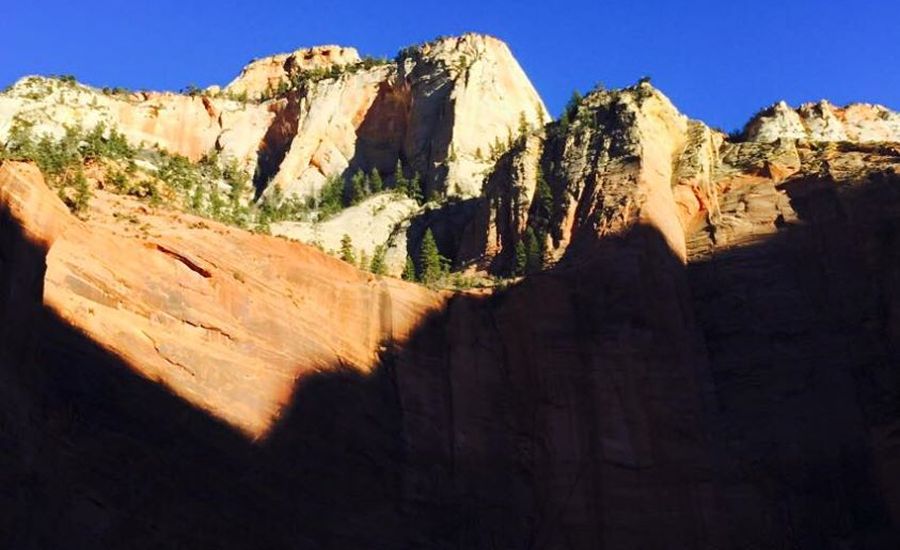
{"points": [[822, 121], [181, 124], [262, 76], [709, 359], [221, 317], [296, 119], [439, 109]]}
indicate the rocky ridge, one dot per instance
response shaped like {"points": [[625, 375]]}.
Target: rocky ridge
{"points": [[265, 75], [438, 109], [627, 157], [822, 121]]}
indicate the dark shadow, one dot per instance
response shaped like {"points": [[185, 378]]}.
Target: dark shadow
{"points": [[619, 400], [802, 339], [277, 142], [410, 120], [380, 137], [448, 223]]}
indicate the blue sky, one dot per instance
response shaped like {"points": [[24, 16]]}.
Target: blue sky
{"points": [[718, 61]]}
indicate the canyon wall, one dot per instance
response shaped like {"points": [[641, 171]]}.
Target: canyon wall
{"points": [[708, 358], [743, 395]]}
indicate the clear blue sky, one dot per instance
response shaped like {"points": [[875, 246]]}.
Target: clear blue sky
{"points": [[718, 61]]}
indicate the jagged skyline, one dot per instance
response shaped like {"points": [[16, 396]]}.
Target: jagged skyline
{"points": [[744, 58]]}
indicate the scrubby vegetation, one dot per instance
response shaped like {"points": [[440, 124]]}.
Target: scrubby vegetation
{"points": [[216, 188], [303, 78], [432, 266], [338, 193], [570, 112], [62, 160], [736, 136]]}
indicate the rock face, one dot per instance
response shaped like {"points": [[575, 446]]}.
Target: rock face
{"points": [[795, 288], [229, 336], [732, 385], [381, 220], [267, 74], [822, 121], [710, 361], [471, 427], [630, 157], [612, 166], [189, 126], [438, 108], [790, 259]]}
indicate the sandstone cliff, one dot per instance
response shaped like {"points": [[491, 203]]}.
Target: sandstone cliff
{"points": [[438, 108], [235, 331], [615, 162], [822, 121], [628, 156], [706, 356], [263, 76], [181, 124], [746, 399]]}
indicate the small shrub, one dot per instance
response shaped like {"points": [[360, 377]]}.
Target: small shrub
{"points": [[347, 249]]}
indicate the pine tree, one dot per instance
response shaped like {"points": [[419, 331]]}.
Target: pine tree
{"points": [[363, 260], [331, 196], [400, 182], [378, 266], [347, 249], [543, 198], [409, 270], [215, 200], [430, 259], [82, 192], [521, 258], [524, 127], [375, 181], [196, 203], [534, 252], [572, 105], [357, 187], [238, 179], [414, 188]]}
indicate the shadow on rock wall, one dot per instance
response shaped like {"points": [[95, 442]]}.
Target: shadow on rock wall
{"points": [[617, 401]]}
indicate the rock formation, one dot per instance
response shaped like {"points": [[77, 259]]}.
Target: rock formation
{"points": [[382, 220], [628, 156], [233, 333], [612, 166], [263, 76], [438, 108], [709, 358], [822, 121]]}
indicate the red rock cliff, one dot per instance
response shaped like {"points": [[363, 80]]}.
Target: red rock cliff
{"points": [[718, 374]]}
